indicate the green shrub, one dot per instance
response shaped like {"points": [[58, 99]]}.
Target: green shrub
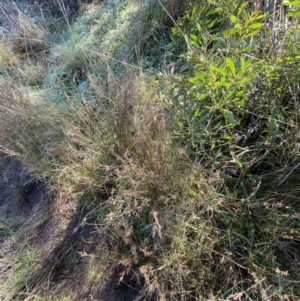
{"points": [[235, 108]]}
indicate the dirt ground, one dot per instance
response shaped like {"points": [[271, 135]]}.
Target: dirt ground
{"points": [[20, 189]]}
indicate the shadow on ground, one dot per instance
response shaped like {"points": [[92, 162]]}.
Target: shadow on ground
{"points": [[21, 191], [71, 247]]}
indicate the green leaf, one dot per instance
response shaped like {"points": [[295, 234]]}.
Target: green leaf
{"points": [[222, 84], [193, 80], [233, 19], [228, 96], [255, 26], [249, 48], [231, 66], [238, 102], [228, 116], [194, 37], [259, 17], [251, 34], [196, 113], [242, 8], [201, 75], [236, 160], [294, 14], [291, 3], [220, 71], [184, 67], [242, 65], [211, 24]]}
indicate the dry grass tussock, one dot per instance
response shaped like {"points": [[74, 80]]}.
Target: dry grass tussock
{"points": [[25, 37], [120, 165]]}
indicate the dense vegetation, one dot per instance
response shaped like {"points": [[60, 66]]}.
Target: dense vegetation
{"points": [[149, 150]]}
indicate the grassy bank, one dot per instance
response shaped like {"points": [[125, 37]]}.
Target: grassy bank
{"points": [[149, 151]]}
